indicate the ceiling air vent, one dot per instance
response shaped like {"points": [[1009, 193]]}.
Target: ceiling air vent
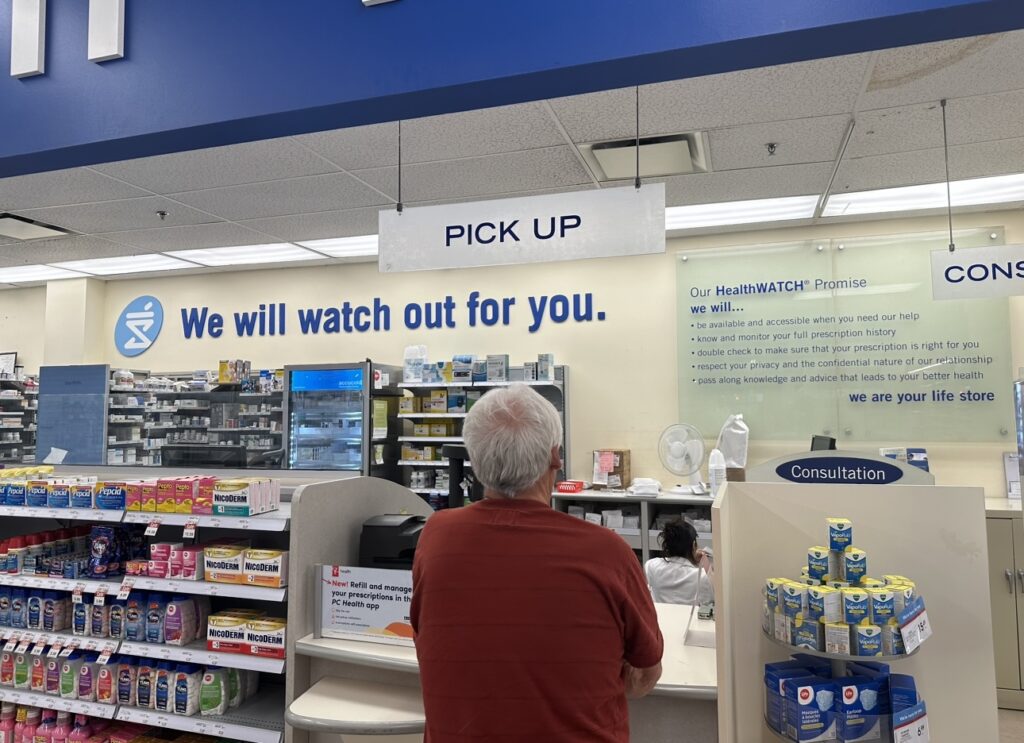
{"points": [[664, 155], [21, 228]]}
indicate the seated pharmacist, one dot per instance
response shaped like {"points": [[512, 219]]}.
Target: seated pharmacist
{"points": [[530, 624], [680, 575]]}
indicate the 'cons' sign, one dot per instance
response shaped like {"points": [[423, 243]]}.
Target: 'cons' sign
{"points": [[976, 273], [839, 471]]}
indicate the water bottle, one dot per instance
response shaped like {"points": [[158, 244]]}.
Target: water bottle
{"points": [[716, 471]]}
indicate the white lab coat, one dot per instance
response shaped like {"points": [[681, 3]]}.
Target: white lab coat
{"points": [[676, 580]]}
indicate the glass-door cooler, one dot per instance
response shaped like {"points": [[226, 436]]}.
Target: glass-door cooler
{"points": [[330, 415]]}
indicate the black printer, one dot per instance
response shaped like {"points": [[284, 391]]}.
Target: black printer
{"points": [[389, 541]]}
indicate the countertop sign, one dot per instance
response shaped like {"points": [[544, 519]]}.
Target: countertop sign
{"points": [[839, 471], [977, 273], [531, 229]]}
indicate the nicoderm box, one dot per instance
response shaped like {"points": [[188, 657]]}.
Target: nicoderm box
{"points": [[223, 564], [261, 567]]}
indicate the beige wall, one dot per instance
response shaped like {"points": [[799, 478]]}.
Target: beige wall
{"points": [[623, 370], [22, 314]]}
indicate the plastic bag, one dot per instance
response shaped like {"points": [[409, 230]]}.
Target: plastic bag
{"points": [[732, 441]]}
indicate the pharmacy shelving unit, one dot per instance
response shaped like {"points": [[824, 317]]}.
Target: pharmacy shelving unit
{"points": [[260, 719], [338, 686], [126, 421], [555, 391], [643, 540], [246, 417], [17, 423]]}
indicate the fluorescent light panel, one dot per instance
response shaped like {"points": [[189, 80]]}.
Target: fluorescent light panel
{"points": [[26, 274], [739, 212], [243, 255], [344, 247], [126, 264], [999, 189]]}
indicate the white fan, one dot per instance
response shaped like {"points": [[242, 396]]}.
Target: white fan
{"points": [[681, 449]]}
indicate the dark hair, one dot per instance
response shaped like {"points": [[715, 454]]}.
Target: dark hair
{"points": [[678, 538]]}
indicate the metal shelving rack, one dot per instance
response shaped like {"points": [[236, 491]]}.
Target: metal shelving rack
{"points": [[126, 419], [17, 423], [556, 392]]}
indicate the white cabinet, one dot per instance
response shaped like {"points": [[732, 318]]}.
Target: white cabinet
{"points": [[1006, 585]]}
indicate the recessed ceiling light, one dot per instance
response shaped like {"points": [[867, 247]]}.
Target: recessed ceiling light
{"points": [[20, 228], [739, 212], [126, 264], [999, 189], [28, 274], [242, 255], [344, 247]]}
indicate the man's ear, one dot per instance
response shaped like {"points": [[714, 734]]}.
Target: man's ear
{"points": [[556, 458]]}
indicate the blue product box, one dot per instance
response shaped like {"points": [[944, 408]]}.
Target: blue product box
{"points": [[81, 496], [3, 492], [59, 496], [16, 494], [902, 692], [858, 717], [37, 494], [774, 675], [808, 633], [111, 496], [810, 708]]}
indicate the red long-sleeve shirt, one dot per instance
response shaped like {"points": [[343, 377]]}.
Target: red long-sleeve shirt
{"points": [[523, 618]]}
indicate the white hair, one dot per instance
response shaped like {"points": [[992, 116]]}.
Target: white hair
{"points": [[510, 433]]}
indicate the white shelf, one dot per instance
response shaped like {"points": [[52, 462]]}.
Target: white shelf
{"points": [[64, 638], [432, 415], [197, 653], [427, 463], [48, 701], [429, 491], [273, 521], [246, 430], [58, 584], [137, 442], [202, 588], [12, 413], [528, 384], [128, 407], [69, 514], [351, 707], [259, 720], [360, 653], [431, 439], [432, 385]]}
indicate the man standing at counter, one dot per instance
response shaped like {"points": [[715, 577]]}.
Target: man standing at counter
{"points": [[531, 625]]}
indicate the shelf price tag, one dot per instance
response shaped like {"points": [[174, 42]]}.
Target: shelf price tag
{"points": [[911, 725], [69, 649], [190, 528], [152, 527], [914, 625], [40, 646], [76, 593], [55, 649], [90, 646], [23, 645], [101, 596], [12, 642], [126, 588], [105, 654]]}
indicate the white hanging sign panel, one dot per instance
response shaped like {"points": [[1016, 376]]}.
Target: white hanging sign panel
{"points": [[530, 229], [978, 273]]}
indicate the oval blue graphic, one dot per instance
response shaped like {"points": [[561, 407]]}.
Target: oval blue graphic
{"points": [[138, 326], [839, 471]]}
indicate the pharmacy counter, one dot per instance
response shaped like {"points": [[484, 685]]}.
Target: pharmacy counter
{"points": [[1003, 508], [685, 695]]}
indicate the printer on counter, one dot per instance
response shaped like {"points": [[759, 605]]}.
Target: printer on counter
{"points": [[389, 541]]}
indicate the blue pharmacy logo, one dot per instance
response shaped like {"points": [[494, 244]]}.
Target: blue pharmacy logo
{"points": [[138, 326]]}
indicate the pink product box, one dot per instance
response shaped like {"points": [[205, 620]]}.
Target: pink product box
{"points": [[137, 567], [191, 573], [159, 569], [161, 551], [203, 503]]}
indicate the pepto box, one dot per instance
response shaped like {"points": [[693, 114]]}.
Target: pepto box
{"points": [[111, 496], [165, 502], [226, 632], [133, 496], [265, 637], [266, 568], [36, 493], [82, 495], [148, 496], [223, 564], [185, 492], [204, 496]]}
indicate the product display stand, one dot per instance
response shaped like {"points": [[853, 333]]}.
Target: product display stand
{"points": [[258, 720], [935, 534], [344, 687]]}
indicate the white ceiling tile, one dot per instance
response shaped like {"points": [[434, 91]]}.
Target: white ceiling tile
{"points": [[114, 216], [276, 198], [977, 160], [357, 148], [487, 131], [551, 167], [58, 187], [320, 225], [189, 237], [801, 141], [61, 249], [946, 69], [249, 162], [740, 185], [783, 92]]}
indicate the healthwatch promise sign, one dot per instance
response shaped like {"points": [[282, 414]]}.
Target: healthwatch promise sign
{"points": [[978, 273], [529, 229]]}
